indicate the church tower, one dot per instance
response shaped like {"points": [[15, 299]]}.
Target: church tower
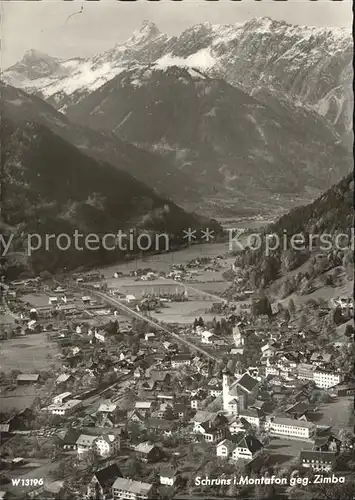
{"points": [[225, 390]]}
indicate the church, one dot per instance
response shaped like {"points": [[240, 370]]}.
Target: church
{"points": [[238, 393]]}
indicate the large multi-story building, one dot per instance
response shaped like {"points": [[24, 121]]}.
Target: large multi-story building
{"points": [[319, 461], [107, 445], [291, 428], [305, 371], [64, 409], [127, 489], [325, 379]]}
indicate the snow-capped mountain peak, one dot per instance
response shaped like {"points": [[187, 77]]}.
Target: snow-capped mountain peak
{"points": [[145, 33], [35, 64], [311, 66]]}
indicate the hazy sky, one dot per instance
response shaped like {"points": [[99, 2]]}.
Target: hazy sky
{"points": [[42, 25]]}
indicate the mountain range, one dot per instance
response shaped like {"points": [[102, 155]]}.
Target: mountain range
{"points": [[246, 118], [236, 146], [307, 66]]}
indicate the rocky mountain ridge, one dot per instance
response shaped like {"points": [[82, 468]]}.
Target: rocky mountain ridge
{"points": [[309, 66], [145, 166], [241, 150], [51, 187]]}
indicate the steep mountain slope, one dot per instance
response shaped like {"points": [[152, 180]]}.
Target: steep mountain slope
{"points": [[147, 167], [309, 66], [50, 187], [236, 146], [313, 240]]}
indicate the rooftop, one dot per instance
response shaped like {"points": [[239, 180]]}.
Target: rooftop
{"points": [[318, 456], [33, 377], [135, 487], [250, 442], [167, 471], [203, 416], [108, 475], [293, 423], [107, 407], [247, 382], [85, 440], [141, 405], [144, 447]]}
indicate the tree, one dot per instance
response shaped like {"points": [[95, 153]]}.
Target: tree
{"points": [[350, 271], [291, 307], [346, 437], [134, 467], [349, 330], [303, 321], [330, 332], [263, 492], [337, 316], [262, 306]]}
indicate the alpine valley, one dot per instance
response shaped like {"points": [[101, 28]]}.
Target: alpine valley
{"points": [[252, 118]]}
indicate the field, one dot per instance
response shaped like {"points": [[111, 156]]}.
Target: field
{"points": [[129, 286], [184, 312], [337, 413], [181, 312], [284, 451], [234, 223], [162, 262], [29, 353], [18, 399], [6, 319], [36, 299]]}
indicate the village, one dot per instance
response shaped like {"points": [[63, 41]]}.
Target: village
{"points": [[130, 384]]}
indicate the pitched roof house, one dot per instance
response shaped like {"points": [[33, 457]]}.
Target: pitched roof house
{"points": [[100, 486], [224, 448], [85, 443], [246, 447], [168, 476], [147, 452]]}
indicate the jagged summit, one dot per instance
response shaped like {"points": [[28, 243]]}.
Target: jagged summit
{"points": [[146, 32], [36, 54], [35, 64]]}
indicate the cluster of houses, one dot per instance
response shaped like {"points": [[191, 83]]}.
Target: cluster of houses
{"points": [[344, 303], [172, 395], [318, 368], [209, 338]]}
